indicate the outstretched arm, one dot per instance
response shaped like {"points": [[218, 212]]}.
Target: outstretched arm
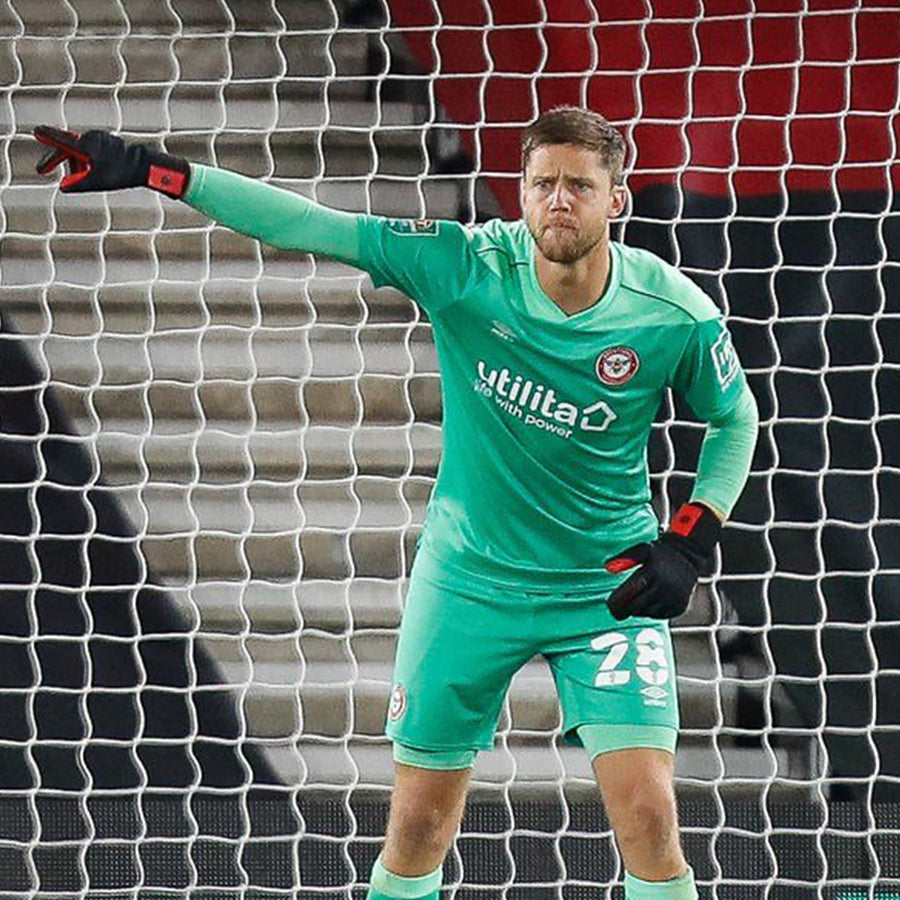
{"points": [[100, 161], [277, 217], [431, 262]]}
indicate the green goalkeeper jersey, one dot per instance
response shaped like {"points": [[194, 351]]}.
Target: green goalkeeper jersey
{"points": [[547, 416]]}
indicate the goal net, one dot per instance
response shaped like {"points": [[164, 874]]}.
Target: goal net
{"points": [[215, 456]]}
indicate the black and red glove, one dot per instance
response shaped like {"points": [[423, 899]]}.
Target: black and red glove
{"points": [[100, 161], [669, 566]]}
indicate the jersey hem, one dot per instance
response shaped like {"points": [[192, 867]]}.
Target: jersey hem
{"points": [[445, 572]]}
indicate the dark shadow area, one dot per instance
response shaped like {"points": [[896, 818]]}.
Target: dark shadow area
{"points": [[102, 682], [804, 284]]}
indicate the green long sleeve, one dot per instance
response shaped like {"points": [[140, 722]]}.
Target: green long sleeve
{"points": [[726, 454], [272, 215]]}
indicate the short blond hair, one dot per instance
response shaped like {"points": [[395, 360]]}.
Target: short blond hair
{"points": [[581, 127]]}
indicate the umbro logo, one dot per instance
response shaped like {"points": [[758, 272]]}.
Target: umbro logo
{"points": [[654, 696]]}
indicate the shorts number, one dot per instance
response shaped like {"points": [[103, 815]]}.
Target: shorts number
{"points": [[651, 664], [617, 645]]}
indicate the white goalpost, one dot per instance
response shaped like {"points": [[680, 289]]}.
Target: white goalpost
{"points": [[218, 455]]}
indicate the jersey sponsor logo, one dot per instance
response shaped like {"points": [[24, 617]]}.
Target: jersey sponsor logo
{"points": [[538, 405], [724, 359], [397, 706], [616, 365], [413, 226]]}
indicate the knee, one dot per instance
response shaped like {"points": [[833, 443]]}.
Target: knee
{"points": [[650, 819], [428, 829], [646, 814]]}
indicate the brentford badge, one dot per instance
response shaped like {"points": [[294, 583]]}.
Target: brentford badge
{"points": [[398, 703], [616, 365]]}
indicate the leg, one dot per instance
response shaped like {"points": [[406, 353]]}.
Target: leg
{"points": [[637, 791], [616, 683], [426, 809], [449, 684]]}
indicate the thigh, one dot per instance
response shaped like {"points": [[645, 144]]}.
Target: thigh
{"points": [[620, 675], [458, 650]]}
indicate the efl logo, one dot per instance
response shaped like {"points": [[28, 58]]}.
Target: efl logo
{"points": [[725, 359], [398, 703], [616, 365]]}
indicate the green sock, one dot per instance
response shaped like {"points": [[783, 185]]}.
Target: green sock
{"points": [[680, 888], [384, 885]]}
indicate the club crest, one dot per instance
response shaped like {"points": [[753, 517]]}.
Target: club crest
{"points": [[616, 365], [397, 705]]}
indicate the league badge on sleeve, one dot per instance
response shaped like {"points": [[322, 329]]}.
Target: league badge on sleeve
{"points": [[616, 365], [724, 359], [413, 226]]}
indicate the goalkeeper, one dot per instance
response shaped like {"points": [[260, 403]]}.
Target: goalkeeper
{"points": [[556, 348]]}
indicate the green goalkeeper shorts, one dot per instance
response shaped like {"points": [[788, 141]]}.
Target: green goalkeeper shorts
{"points": [[461, 643]]}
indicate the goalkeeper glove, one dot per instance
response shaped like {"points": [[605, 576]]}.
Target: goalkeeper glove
{"points": [[669, 566], [100, 161]]}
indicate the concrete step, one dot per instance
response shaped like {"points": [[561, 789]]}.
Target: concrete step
{"points": [[93, 18], [261, 508], [282, 558], [229, 609], [268, 404], [281, 454], [104, 43], [319, 292], [204, 354]]}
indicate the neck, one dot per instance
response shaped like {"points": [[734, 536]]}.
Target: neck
{"points": [[577, 286]]}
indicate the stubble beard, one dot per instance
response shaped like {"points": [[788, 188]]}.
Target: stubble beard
{"points": [[568, 253]]}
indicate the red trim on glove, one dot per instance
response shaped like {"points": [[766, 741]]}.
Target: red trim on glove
{"points": [[620, 564], [685, 520], [169, 181]]}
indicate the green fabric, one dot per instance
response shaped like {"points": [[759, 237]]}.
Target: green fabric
{"points": [[462, 642], [546, 416], [434, 759], [385, 884], [726, 455], [278, 217], [379, 895], [600, 738], [681, 888]]}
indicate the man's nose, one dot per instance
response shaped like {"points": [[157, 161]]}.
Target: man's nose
{"points": [[560, 198]]}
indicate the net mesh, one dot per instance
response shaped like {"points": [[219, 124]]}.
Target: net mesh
{"points": [[216, 455]]}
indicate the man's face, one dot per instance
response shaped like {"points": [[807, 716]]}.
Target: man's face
{"points": [[568, 199]]}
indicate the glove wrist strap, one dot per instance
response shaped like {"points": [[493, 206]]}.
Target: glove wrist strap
{"points": [[698, 524], [168, 174]]}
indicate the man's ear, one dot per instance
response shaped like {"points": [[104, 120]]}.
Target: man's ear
{"points": [[619, 201]]}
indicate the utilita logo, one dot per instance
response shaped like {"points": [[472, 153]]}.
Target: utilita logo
{"points": [[537, 405]]}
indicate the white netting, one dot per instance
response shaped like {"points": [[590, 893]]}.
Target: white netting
{"points": [[216, 456]]}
